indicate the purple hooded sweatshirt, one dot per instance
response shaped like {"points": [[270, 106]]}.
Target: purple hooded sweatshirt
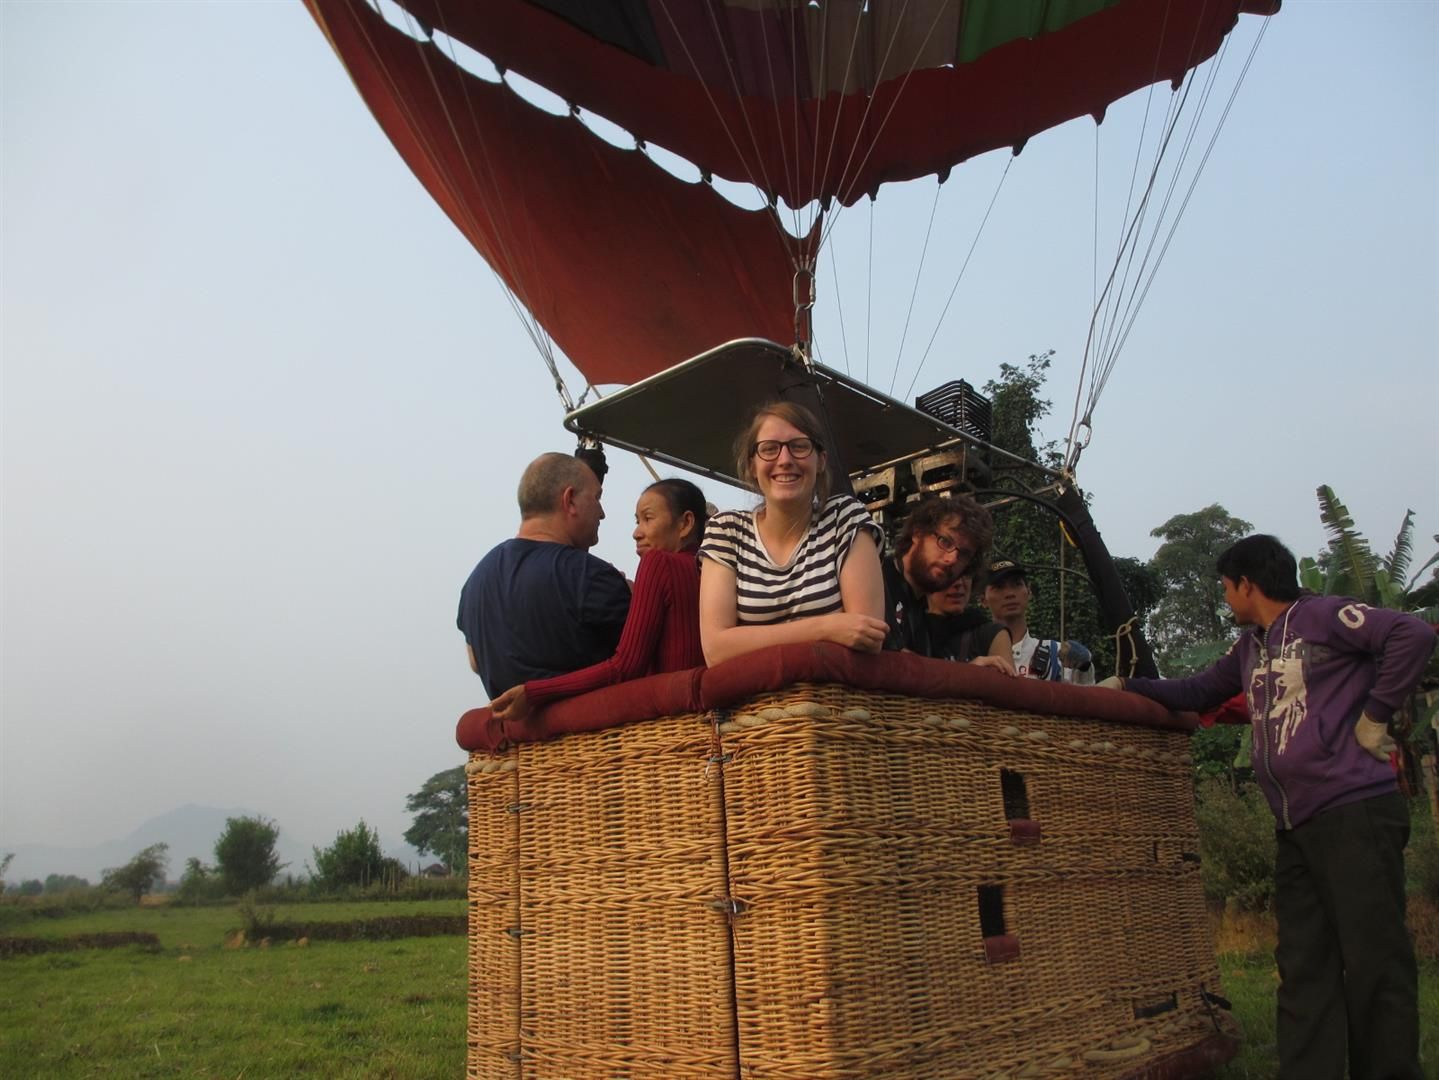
{"points": [[1307, 679]]}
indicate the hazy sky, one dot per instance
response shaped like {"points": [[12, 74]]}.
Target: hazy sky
{"points": [[264, 408]]}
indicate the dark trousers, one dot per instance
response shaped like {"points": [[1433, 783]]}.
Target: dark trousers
{"points": [[1348, 983]]}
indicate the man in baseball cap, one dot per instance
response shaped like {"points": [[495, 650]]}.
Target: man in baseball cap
{"points": [[1007, 595]]}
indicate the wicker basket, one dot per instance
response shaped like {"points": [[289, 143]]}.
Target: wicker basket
{"points": [[835, 883]]}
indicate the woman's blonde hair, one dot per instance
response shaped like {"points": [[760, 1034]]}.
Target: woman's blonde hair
{"points": [[796, 416]]}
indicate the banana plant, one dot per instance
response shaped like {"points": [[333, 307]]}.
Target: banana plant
{"points": [[1350, 567]]}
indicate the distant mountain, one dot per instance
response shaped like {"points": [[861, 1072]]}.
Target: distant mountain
{"points": [[191, 831]]}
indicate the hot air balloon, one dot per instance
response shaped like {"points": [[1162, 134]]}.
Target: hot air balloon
{"points": [[643, 279], [662, 286]]}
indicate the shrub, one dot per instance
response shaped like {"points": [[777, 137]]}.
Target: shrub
{"points": [[1236, 845], [141, 874], [1214, 750], [199, 884], [1421, 859], [63, 883], [245, 854], [353, 859], [257, 921]]}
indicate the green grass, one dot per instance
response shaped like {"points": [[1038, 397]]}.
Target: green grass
{"points": [[393, 1009], [196, 1009], [1250, 981]]}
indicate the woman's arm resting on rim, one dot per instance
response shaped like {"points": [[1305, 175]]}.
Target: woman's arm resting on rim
{"points": [[723, 639]]}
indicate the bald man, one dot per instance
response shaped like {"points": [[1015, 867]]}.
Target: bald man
{"points": [[539, 604]]}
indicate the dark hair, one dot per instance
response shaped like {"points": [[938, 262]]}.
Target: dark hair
{"points": [[795, 415], [932, 511], [1266, 563], [680, 496]]}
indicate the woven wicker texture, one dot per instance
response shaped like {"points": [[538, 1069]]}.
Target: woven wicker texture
{"points": [[871, 854], [493, 1028], [920, 889], [624, 951]]}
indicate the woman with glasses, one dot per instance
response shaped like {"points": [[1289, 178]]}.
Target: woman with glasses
{"points": [[661, 632], [803, 565]]}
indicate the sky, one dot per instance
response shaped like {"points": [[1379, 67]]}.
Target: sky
{"points": [[263, 407]]}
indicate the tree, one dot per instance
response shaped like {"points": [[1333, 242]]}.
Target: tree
{"points": [[141, 874], [5, 861], [441, 809], [31, 887], [59, 883], [245, 854], [353, 859], [199, 883], [1064, 603], [1191, 612]]}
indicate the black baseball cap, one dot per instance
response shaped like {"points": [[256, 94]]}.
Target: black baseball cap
{"points": [[1006, 568]]}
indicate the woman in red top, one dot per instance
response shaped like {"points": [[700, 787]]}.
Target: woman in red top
{"points": [[662, 631]]}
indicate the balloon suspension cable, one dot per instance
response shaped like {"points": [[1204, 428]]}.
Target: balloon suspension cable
{"points": [[804, 296], [1117, 305], [1062, 612], [493, 212]]}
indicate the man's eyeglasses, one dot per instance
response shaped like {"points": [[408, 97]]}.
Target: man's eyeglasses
{"points": [[949, 545], [768, 449]]}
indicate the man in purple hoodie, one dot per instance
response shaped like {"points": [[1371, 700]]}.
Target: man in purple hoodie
{"points": [[1322, 675]]}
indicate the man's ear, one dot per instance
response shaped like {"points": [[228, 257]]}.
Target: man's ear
{"points": [[567, 499]]}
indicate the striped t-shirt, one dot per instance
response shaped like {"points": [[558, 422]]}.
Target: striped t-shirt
{"points": [[809, 583]]}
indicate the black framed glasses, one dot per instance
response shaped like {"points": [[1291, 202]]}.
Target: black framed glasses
{"points": [[949, 545], [768, 449]]}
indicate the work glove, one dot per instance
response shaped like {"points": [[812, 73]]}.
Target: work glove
{"points": [[1375, 738], [1114, 682], [1074, 655]]}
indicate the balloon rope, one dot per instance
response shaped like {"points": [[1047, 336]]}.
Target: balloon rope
{"points": [[839, 306], [1072, 446], [1122, 305], [1113, 318], [768, 189], [791, 176], [869, 292], [823, 185], [910, 68], [1184, 204], [1094, 253], [1062, 635], [518, 303], [914, 292], [960, 276], [847, 193]]}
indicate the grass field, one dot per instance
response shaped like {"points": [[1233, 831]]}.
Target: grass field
{"points": [[393, 1009], [198, 1009]]}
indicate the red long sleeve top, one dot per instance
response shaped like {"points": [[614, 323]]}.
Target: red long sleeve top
{"points": [[662, 632]]}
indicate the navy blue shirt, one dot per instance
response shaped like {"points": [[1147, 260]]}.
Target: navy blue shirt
{"points": [[533, 608]]}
